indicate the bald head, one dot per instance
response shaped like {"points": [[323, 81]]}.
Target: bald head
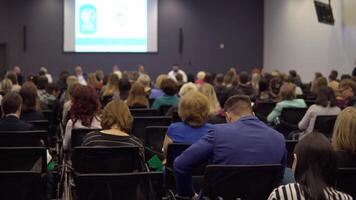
{"points": [[237, 106]]}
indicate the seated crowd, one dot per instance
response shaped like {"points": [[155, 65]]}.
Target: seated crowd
{"points": [[216, 116]]}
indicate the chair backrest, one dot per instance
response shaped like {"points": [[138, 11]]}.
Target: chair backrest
{"points": [[140, 123], [293, 115], [309, 102], [346, 181], [325, 124], [78, 136], [173, 151], [22, 138], [23, 159], [241, 182], [290, 145], [21, 185], [154, 137], [144, 112], [262, 109], [163, 109], [131, 186], [40, 124], [48, 114], [106, 159]]}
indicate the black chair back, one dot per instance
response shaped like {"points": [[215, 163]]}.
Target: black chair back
{"points": [[140, 123], [163, 109], [78, 136], [325, 124], [290, 145], [144, 112], [293, 115], [106, 159], [241, 182], [40, 124], [21, 185], [105, 100], [154, 137], [309, 102], [48, 114], [22, 138], [262, 109], [23, 159], [346, 181], [132, 186]]}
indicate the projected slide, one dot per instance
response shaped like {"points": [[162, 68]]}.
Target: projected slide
{"points": [[110, 26]]}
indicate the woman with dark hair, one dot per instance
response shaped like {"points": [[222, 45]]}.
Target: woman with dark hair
{"points": [[124, 88], [169, 88], [31, 103], [314, 169], [137, 96], [84, 112], [325, 104]]}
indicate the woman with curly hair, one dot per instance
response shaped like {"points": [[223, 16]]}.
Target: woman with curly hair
{"points": [[84, 112]]}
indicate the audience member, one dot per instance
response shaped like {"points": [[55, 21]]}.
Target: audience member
{"points": [[68, 104], [186, 88], [111, 89], [45, 73], [333, 82], [141, 70], [19, 76], [80, 75], [137, 96], [145, 81], [169, 88], [244, 141], [318, 83], [246, 87], [345, 76], [13, 77], [255, 79], [264, 92], [94, 83], [200, 78], [275, 85], [6, 86], [209, 78], [124, 88], [157, 92], [347, 91], [44, 96], [208, 90], [116, 121], [344, 137], [116, 71], [11, 108], [219, 85], [176, 70], [84, 112], [289, 101], [62, 82], [99, 74], [295, 78], [180, 81], [325, 104], [315, 170], [194, 112], [31, 103]]}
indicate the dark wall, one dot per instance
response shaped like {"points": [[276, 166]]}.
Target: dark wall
{"points": [[206, 23]]}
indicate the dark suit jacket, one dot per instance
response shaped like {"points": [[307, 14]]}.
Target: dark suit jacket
{"points": [[12, 123]]}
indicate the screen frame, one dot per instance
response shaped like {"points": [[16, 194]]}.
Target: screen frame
{"points": [[107, 52]]}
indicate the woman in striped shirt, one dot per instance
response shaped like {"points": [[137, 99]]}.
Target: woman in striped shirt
{"points": [[314, 168]]}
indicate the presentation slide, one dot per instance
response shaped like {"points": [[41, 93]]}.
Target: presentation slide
{"points": [[110, 26]]}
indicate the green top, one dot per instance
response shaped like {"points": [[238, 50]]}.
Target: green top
{"points": [[165, 100], [277, 111]]}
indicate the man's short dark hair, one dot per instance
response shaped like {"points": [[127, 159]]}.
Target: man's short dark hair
{"points": [[11, 102], [238, 104], [42, 82], [244, 77]]}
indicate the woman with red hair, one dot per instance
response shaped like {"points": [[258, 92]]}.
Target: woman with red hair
{"points": [[84, 112]]}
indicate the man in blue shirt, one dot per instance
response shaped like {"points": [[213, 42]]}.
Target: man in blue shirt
{"points": [[245, 140]]}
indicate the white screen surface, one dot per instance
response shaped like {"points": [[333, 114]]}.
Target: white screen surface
{"points": [[110, 26]]}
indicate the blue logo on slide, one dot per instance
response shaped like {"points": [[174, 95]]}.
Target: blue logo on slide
{"points": [[87, 19]]}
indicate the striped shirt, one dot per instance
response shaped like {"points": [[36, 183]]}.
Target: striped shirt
{"points": [[293, 192]]}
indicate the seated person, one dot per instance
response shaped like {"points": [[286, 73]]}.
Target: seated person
{"points": [[116, 121], [315, 170], [246, 87], [31, 103], [344, 138], [169, 88], [137, 96], [245, 140], [347, 91], [157, 92], [44, 96], [193, 109], [84, 112], [11, 107], [325, 104], [289, 101]]}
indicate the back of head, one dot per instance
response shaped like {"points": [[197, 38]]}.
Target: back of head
{"points": [[169, 87], [293, 73], [137, 95], [244, 78], [219, 79], [159, 80], [288, 91], [345, 76], [124, 85], [12, 76], [6, 85], [239, 105], [263, 85], [194, 109], [116, 114], [315, 168], [208, 90], [326, 97], [145, 80], [99, 74], [333, 75], [344, 136], [42, 82], [30, 97], [348, 83], [201, 75], [186, 88], [11, 102]]}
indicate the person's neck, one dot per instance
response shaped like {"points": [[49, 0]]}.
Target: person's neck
{"points": [[13, 115], [237, 118]]}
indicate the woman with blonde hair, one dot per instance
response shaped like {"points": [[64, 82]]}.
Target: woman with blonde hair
{"points": [[112, 87], [137, 96], [208, 90], [194, 112], [157, 91], [6, 86], [93, 82], [344, 137]]}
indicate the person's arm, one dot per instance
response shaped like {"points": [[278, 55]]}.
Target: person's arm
{"points": [[304, 123], [185, 78], [273, 195], [156, 104], [68, 135], [192, 157], [275, 113], [167, 141]]}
